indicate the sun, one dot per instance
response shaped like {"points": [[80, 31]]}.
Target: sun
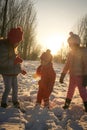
{"points": [[54, 43]]}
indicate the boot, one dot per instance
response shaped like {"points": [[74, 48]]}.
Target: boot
{"points": [[67, 103], [16, 104], [85, 105], [46, 103], [4, 105]]}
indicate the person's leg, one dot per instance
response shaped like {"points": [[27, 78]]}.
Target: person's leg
{"points": [[67, 103], [72, 86], [39, 96], [46, 95], [82, 91], [71, 89], [7, 82], [15, 91]]}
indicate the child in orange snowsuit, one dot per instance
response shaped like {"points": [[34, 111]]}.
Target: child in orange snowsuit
{"points": [[48, 75]]}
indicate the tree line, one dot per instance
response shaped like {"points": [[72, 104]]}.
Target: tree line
{"points": [[15, 13]]}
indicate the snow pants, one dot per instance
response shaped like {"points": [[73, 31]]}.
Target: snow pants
{"points": [[43, 94], [76, 81]]}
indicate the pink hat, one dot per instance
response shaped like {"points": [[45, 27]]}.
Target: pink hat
{"points": [[74, 39], [15, 35]]}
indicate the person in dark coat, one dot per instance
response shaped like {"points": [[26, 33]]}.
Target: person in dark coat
{"points": [[10, 65]]}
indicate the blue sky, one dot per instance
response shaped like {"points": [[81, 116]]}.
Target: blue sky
{"points": [[57, 18]]}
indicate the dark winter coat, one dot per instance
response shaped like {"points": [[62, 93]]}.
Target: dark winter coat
{"points": [[7, 57]]}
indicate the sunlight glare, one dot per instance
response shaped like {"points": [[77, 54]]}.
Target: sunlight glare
{"points": [[54, 43]]}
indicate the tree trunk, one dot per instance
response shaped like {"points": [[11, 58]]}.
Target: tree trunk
{"points": [[4, 19]]}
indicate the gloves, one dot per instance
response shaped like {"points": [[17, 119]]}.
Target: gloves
{"points": [[18, 60], [23, 72], [62, 77]]}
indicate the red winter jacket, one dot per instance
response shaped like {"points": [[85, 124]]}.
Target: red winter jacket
{"points": [[48, 76]]}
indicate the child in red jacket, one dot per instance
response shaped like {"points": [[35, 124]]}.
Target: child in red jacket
{"points": [[48, 75]]}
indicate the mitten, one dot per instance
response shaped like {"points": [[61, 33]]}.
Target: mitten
{"points": [[18, 60], [23, 72], [62, 77]]}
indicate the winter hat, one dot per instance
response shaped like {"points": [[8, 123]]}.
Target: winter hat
{"points": [[46, 57], [43, 56], [74, 39], [15, 35], [48, 51]]}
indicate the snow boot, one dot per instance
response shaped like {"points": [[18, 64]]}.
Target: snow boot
{"points": [[85, 105], [46, 103], [67, 103], [4, 105], [16, 104]]}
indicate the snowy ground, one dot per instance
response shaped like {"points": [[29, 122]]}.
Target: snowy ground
{"points": [[37, 118]]}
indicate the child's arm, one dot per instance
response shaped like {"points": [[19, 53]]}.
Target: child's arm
{"points": [[65, 69], [18, 60], [23, 72], [38, 72]]}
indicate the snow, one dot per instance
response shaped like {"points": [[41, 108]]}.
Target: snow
{"points": [[38, 118]]}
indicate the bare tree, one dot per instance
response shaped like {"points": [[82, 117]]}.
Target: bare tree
{"points": [[4, 18], [29, 33], [19, 13], [82, 30]]}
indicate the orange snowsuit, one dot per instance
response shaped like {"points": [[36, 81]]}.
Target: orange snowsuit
{"points": [[46, 82]]}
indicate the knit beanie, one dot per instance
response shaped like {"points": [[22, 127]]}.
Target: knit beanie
{"points": [[46, 57], [74, 39], [15, 35]]}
